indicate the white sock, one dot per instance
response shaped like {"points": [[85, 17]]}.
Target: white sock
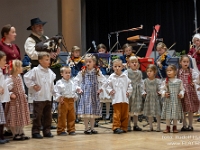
{"points": [[150, 122], [174, 122], [86, 120], [184, 120], [135, 120], [107, 109], [92, 120], [158, 122], [190, 117], [168, 122]]}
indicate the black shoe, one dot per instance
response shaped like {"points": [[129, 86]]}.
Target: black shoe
{"points": [[118, 131], [2, 141], [8, 133], [88, 132], [17, 137], [62, 134], [190, 128], [77, 121], [49, 135], [24, 137], [136, 128], [6, 140], [53, 127], [198, 120], [96, 123], [37, 136], [72, 133], [94, 131], [184, 128]]}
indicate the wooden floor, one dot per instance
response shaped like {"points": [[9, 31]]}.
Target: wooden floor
{"points": [[106, 140]]}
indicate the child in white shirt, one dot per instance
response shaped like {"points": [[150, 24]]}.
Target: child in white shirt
{"points": [[66, 95], [119, 87], [41, 81]]}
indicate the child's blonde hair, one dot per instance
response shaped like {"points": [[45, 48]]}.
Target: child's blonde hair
{"points": [[43, 54], [90, 56], [133, 58], [126, 46], [62, 69], [75, 48], [14, 65], [161, 45], [117, 60]]}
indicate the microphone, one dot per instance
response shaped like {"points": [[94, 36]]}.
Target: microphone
{"points": [[95, 47]]}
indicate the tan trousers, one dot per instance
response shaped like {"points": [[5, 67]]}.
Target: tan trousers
{"points": [[120, 116], [66, 114]]}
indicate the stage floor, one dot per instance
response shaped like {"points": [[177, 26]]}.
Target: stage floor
{"points": [[106, 140]]}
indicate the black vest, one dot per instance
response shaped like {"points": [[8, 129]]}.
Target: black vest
{"points": [[35, 63]]}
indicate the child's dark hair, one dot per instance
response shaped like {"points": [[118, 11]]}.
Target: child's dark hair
{"points": [[172, 66], [190, 72], [101, 46], [152, 67], [2, 54], [183, 56]]}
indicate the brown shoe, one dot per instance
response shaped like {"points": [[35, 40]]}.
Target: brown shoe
{"points": [[175, 129], [167, 129]]}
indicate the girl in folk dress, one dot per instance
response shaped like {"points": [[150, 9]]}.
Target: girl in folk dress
{"points": [[190, 102], [152, 106], [172, 89], [135, 100], [103, 63], [89, 106], [4, 96], [17, 112]]}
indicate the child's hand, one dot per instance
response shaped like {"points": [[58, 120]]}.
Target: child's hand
{"points": [[1, 91], [99, 91], [61, 100], [112, 92], [179, 96], [13, 96], [127, 94], [159, 93], [36, 88], [192, 84], [167, 94], [79, 91], [144, 95]]}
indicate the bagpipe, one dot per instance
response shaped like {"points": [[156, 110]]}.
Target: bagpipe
{"points": [[49, 45]]}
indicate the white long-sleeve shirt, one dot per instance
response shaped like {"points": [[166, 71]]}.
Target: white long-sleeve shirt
{"points": [[65, 88], [29, 47], [163, 88], [6, 96], [121, 85], [45, 79]]}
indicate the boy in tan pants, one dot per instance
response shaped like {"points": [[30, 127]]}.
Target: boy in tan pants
{"points": [[65, 95]]}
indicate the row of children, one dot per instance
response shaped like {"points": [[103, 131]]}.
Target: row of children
{"points": [[125, 89]]}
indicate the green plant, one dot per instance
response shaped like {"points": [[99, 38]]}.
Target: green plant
{"points": [[183, 52]]}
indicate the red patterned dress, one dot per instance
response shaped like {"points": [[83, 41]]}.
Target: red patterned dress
{"points": [[17, 112], [190, 101]]}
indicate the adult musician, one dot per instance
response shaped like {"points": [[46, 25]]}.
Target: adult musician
{"points": [[36, 36], [195, 51], [162, 59]]}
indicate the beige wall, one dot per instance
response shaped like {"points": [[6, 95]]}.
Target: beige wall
{"points": [[71, 22], [19, 12]]}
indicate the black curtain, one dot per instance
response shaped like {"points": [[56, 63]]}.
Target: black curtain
{"points": [[176, 18]]}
